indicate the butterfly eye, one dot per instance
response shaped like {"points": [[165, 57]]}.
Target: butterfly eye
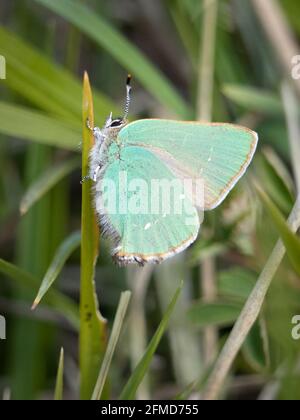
{"points": [[116, 123]]}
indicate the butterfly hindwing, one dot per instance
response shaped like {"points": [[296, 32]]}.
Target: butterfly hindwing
{"points": [[144, 225]]}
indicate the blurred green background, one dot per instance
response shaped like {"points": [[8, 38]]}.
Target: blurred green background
{"points": [[183, 54]]}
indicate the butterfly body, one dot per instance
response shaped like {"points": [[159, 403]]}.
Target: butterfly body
{"points": [[153, 179], [100, 152]]}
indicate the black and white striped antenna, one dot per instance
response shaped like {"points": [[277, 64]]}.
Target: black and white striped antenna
{"points": [[128, 97]]}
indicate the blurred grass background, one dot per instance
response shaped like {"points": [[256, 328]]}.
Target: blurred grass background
{"points": [[48, 45]]}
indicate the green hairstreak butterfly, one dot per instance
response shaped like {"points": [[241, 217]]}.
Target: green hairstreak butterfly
{"points": [[154, 177]]}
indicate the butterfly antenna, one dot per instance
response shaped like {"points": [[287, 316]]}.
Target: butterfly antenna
{"points": [[128, 97]]}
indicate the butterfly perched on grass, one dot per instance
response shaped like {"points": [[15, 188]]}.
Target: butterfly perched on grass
{"points": [[155, 177]]}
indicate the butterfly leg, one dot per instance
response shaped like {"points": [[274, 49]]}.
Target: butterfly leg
{"points": [[98, 134], [94, 177], [95, 165], [88, 124], [95, 130], [84, 179], [96, 172]]}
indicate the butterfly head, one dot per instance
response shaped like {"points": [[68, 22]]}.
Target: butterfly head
{"points": [[115, 122]]}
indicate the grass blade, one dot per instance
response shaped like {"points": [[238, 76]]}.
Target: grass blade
{"points": [[55, 299], [183, 337], [32, 125], [92, 325], [205, 105], [290, 240], [220, 314], [48, 86], [137, 376], [59, 388], [280, 191], [290, 104], [236, 283], [122, 50], [115, 333], [48, 180], [276, 27], [34, 254], [185, 30], [248, 315], [138, 280], [253, 99], [256, 347], [62, 254]]}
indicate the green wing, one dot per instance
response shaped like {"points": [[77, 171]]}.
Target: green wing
{"points": [[144, 229], [217, 153]]}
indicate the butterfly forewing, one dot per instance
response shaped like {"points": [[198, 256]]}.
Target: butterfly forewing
{"points": [[219, 154]]}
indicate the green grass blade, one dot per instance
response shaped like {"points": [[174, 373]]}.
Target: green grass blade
{"points": [[22, 277], [268, 169], [253, 99], [137, 376], [122, 50], [55, 299], [33, 255], [214, 314], [32, 125], [256, 347], [290, 240], [236, 283], [63, 253], [46, 182], [114, 336], [92, 325], [185, 30], [183, 337], [48, 86], [59, 388], [248, 315]]}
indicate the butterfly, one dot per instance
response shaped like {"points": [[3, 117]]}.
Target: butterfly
{"points": [[153, 178]]}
